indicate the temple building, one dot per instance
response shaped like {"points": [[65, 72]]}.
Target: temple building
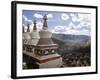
{"points": [[45, 53]]}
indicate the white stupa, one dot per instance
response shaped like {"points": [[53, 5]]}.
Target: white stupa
{"points": [[45, 33], [34, 35], [41, 48], [45, 44], [26, 35]]}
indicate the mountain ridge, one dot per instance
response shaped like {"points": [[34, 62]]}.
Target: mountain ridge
{"points": [[70, 37]]}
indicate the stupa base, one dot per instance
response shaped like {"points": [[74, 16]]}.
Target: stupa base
{"points": [[46, 61], [53, 61]]}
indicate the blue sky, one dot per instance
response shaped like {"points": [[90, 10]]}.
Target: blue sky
{"points": [[60, 22]]}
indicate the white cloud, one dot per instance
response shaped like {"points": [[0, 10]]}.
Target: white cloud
{"points": [[30, 21], [39, 26], [72, 15], [86, 24], [41, 16], [78, 32], [84, 17], [25, 18], [78, 26], [71, 25], [85, 21], [75, 19], [49, 16], [38, 15], [71, 29], [59, 29], [64, 16]]}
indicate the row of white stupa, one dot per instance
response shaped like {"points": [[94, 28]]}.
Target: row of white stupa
{"points": [[32, 38], [40, 47]]}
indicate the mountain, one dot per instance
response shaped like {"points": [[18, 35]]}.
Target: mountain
{"points": [[70, 43], [73, 49], [69, 37]]}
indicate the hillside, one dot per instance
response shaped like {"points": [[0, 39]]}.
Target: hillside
{"points": [[70, 42], [75, 51], [67, 37]]}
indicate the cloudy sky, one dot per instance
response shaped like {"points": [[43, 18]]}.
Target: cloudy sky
{"points": [[60, 22]]}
